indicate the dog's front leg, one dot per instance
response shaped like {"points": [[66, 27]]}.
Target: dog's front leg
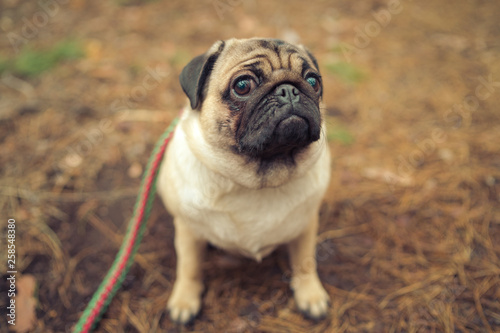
{"points": [[310, 296], [185, 300]]}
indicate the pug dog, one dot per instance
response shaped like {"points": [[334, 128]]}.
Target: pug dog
{"points": [[248, 165]]}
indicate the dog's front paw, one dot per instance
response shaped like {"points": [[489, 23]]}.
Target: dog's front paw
{"points": [[310, 296], [185, 301]]}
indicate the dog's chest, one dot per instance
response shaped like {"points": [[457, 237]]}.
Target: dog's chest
{"points": [[249, 222]]}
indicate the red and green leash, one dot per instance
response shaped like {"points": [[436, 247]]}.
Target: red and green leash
{"points": [[125, 257]]}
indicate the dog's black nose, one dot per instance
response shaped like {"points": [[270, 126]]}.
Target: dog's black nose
{"points": [[286, 93]]}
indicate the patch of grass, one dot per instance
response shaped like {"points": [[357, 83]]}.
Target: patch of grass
{"points": [[338, 133], [31, 62], [134, 70], [4, 62], [180, 58], [346, 72]]}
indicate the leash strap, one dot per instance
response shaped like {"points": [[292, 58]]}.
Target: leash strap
{"points": [[135, 230]]}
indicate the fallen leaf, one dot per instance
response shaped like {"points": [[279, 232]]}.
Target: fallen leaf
{"points": [[387, 176], [135, 170], [25, 304]]}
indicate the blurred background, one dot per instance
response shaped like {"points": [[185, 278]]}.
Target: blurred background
{"points": [[410, 227]]}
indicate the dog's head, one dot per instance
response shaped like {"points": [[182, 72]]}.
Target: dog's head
{"points": [[258, 97]]}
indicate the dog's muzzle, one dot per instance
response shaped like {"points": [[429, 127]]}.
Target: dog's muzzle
{"points": [[283, 122]]}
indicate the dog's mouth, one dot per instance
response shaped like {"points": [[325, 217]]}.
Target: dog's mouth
{"points": [[292, 129], [290, 133]]}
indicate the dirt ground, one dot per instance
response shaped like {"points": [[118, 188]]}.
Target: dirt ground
{"points": [[410, 227]]}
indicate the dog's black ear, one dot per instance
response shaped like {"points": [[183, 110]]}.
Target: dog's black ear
{"points": [[195, 75]]}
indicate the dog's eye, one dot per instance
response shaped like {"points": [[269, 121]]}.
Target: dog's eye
{"points": [[243, 86], [313, 82]]}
